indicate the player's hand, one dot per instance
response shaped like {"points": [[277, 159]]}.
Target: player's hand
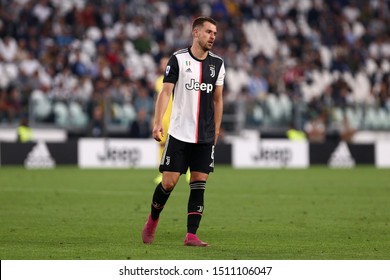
{"points": [[158, 132]]}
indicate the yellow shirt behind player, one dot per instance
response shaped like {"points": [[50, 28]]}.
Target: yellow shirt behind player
{"points": [[167, 116], [158, 87]]}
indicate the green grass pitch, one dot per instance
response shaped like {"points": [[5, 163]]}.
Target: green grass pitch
{"points": [[317, 213]]}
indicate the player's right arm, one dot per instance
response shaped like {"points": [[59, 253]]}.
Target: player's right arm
{"points": [[161, 107]]}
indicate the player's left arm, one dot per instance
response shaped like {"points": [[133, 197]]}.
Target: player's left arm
{"points": [[218, 110]]}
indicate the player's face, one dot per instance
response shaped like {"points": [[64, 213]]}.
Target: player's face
{"points": [[206, 36]]}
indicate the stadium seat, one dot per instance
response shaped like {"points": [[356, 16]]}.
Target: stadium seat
{"points": [[129, 113], [383, 119], [275, 109], [286, 106], [123, 114], [337, 116], [78, 118], [61, 114], [373, 119], [354, 116], [41, 105], [258, 113]]}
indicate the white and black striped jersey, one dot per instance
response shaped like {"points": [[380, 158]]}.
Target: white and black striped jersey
{"points": [[192, 117]]}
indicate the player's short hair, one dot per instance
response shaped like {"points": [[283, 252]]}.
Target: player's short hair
{"points": [[200, 20]]}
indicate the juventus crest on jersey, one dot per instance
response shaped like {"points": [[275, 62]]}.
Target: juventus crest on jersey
{"points": [[192, 117]]}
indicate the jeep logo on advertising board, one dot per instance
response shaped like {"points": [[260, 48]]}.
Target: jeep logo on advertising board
{"points": [[117, 153], [270, 153], [120, 154], [279, 155]]}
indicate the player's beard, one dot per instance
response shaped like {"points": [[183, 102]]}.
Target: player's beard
{"points": [[206, 46]]}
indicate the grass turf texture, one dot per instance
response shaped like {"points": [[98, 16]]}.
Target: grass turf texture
{"points": [[317, 213]]}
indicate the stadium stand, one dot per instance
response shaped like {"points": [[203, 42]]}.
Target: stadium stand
{"points": [[287, 60]]}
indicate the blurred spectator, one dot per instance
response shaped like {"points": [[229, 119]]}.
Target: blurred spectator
{"points": [[144, 101], [295, 134], [340, 93], [257, 85], [79, 67], [329, 53], [8, 49], [24, 131], [315, 128], [97, 126], [4, 110], [10, 105], [141, 127], [384, 92], [346, 132]]}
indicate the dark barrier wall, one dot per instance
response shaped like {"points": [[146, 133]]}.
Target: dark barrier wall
{"points": [[16, 153], [67, 153], [223, 154], [360, 153]]}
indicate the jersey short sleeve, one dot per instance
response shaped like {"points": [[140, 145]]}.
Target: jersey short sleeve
{"points": [[171, 71], [221, 76]]}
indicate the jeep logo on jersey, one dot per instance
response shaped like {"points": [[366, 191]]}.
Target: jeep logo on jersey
{"points": [[199, 86]]}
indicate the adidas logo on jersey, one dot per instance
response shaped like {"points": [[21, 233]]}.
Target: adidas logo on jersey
{"points": [[188, 70]]}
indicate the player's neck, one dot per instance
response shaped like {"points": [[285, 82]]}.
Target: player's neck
{"points": [[198, 52]]}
